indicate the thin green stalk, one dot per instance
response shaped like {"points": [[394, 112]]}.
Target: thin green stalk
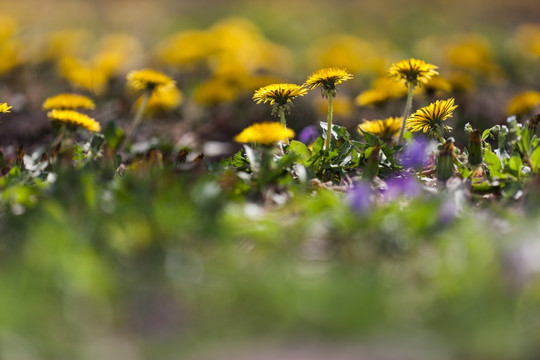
{"points": [[329, 125], [283, 122], [407, 112], [59, 137], [137, 119]]}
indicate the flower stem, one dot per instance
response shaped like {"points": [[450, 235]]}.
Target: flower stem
{"points": [[137, 119], [406, 113], [283, 122], [59, 137], [329, 125]]}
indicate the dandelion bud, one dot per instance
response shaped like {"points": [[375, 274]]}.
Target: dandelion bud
{"points": [[475, 148], [445, 162]]}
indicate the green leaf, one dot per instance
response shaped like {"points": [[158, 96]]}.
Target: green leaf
{"points": [[300, 150], [514, 165], [535, 159], [371, 139]]}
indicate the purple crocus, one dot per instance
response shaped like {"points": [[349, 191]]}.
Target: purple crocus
{"points": [[308, 134], [402, 185], [359, 198], [415, 154]]}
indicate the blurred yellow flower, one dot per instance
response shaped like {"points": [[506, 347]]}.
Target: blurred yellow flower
{"points": [[327, 79], [67, 43], [429, 118], [162, 100], [382, 90], [186, 48], [265, 133], [413, 71], [346, 51], [116, 53], [523, 103], [472, 52], [83, 75], [342, 106], [68, 101], [279, 94], [75, 119], [148, 80], [8, 27], [4, 108], [437, 85], [215, 91], [10, 55], [528, 38], [385, 129]]}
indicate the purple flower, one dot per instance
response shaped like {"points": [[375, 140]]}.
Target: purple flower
{"points": [[402, 185], [447, 212], [308, 134], [415, 154], [359, 198]]}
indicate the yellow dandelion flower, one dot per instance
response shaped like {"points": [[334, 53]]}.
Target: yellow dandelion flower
{"points": [[437, 85], [528, 39], [327, 79], [4, 108], [279, 94], [523, 103], [265, 133], [385, 129], [342, 106], [161, 100], [83, 75], [215, 91], [148, 79], [413, 71], [429, 118], [383, 89], [75, 119], [346, 51], [68, 101]]}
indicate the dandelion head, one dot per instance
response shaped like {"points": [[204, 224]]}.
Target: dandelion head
{"points": [[413, 71], [279, 94], [68, 101], [429, 118], [327, 79], [265, 133], [523, 103], [148, 80], [162, 100], [74, 119], [385, 129], [4, 108]]}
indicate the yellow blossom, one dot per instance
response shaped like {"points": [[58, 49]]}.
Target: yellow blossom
{"points": [[413, 71], [215, 91], [74, 118], [523, 103], [265, 133], [68, 101], [346, 51], [83, 75], [385, 129], [327, 79], [429, 118], [148, 80], [4, 108], [382, 90], [279, 94], [161, 100]]}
